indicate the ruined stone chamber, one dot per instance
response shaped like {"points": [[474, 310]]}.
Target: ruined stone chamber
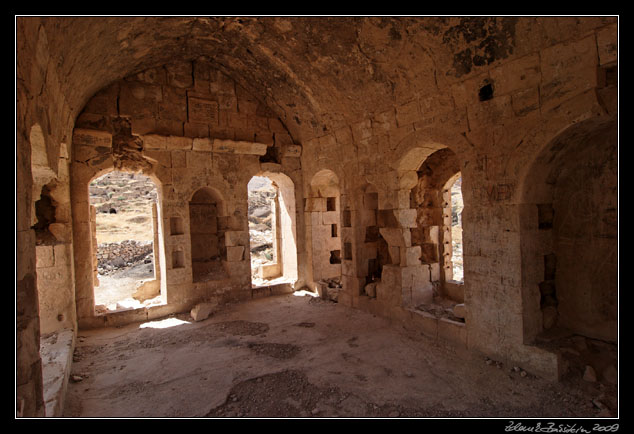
{"points": [[369, 128]]}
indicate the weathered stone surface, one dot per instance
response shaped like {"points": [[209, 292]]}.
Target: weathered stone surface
{"points": [[370, 289], [396, 237], [235, 253], [589, 374], [410, 256], [92, 138], [459, 310], [204, 111], [239, 147], [202, 144], [236, 238], [549, 316], [610, 374], [294, 151], [154, 141]]}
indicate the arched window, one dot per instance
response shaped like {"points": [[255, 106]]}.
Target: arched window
{"points": [[457, 206]]}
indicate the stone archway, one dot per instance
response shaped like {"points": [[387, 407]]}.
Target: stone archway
{"points": [[431, 198], [568, 221], [124, 220], [283, 267]]}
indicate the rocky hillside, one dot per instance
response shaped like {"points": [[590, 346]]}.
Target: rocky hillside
{"points": [[124, 207], [261, 194]]}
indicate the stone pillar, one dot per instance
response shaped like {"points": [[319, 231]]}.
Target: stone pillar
{"points": [[155, 243], [277, 239], [29, 386], [95, 248]]}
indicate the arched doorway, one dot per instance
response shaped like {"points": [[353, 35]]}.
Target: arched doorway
{"points": [[125, 241], [272, 236]]}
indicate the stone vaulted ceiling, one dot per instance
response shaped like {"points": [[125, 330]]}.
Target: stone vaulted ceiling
{"points": [[316, 73]]}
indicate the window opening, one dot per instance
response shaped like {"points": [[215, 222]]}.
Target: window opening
{"points": [[457, 206]]}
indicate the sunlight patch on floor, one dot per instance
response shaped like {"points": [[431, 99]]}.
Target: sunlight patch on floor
{"points": [[163, 324], [304, 293]]}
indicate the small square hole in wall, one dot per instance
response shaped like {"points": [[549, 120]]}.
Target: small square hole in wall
{"points": [[176, 226], [486, 92], [335, 256], [178, 259], [347, 251], [331, 204], [333, 230]]}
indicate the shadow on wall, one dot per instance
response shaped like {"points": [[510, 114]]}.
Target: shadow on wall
{"points": [[569, 234]]}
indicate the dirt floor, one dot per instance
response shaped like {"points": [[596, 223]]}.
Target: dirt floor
{"points": [[301, 356]]}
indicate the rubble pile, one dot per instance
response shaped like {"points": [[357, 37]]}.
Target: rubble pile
{"points": [[114, 256]]}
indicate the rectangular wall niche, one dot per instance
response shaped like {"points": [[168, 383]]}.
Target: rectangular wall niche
{"points": [[333, 230], [178, 259], [347, 251], [331, 204], [176, 226]]}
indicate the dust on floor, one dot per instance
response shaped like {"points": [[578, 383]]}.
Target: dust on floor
{"points": [[299, 356]]}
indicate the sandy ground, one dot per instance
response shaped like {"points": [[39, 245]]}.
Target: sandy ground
{"points": [[298, 356]]}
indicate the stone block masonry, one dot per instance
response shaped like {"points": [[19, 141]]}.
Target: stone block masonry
{"points": [[527, 106]]}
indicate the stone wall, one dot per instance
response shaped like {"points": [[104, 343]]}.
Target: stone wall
{"points": [[44, 123], [367, 99]]}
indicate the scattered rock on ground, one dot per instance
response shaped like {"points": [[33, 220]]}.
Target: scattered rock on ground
{"points": [[202, 311], [589, 374]]}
